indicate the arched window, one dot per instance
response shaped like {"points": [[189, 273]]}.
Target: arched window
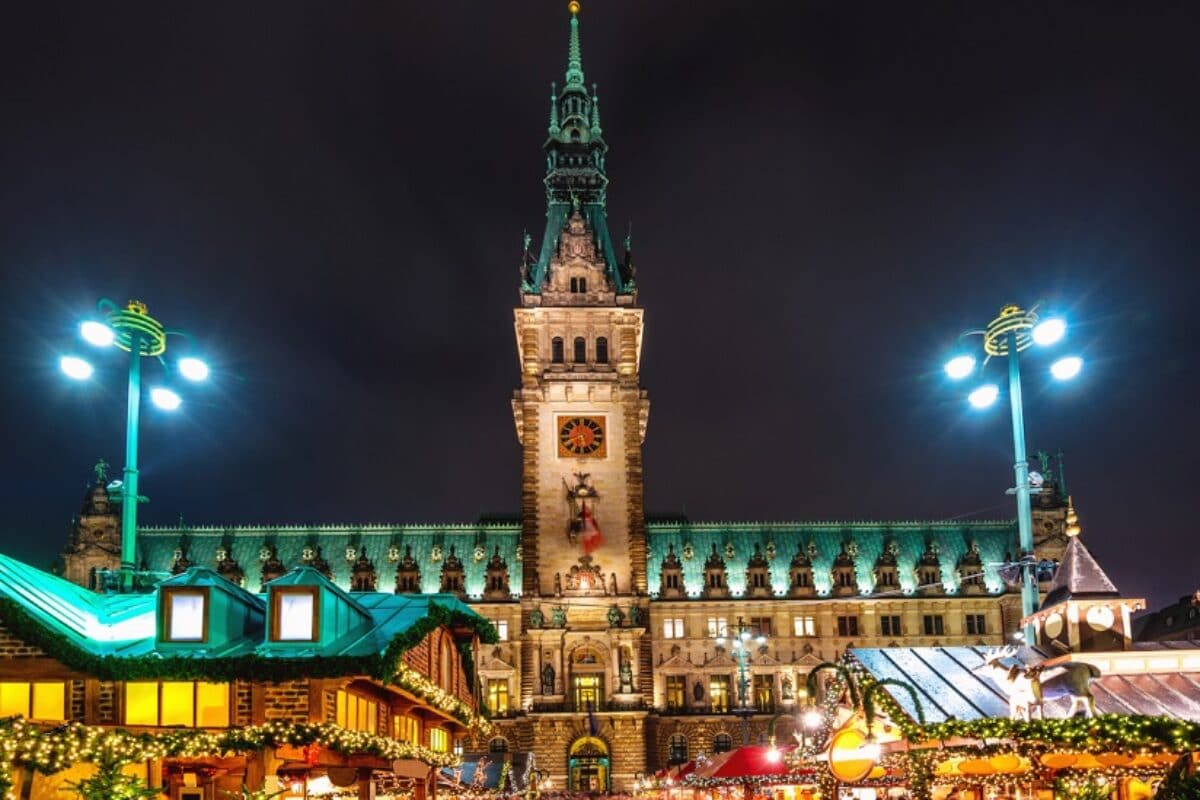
{"points": [[498, 745], [601, 350], [722, 743], [556, 350], [580, 350], [677, 749]]}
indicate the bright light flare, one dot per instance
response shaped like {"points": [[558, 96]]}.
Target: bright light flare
{"points": [[97, 333], [960, 367], [75, 368], [193, 369], [813, 719], [164, 398], [1049, 331], [773, 755], [1066, 368], [984, 396]]}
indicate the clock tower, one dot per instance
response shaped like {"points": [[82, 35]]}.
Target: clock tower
{"points": [[580, 412]]}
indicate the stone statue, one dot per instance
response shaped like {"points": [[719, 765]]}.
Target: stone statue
{"points": [[614, 617], [557, 583], [101, 470], [613, 582], [558, 617], [635, 616], [537, 619], [603, 588], [785, 688], [698, 692], [548, 679], [626, 673]]}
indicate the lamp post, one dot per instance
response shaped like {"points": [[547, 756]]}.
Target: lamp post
{"points": [[134, 331], [740, 636], [1007, 336]]}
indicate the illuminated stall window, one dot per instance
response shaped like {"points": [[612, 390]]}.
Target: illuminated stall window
{"points": [[43, 701], [189, 704]]}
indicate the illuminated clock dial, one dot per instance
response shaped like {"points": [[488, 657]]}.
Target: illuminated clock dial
{"points": [[580, 436]]}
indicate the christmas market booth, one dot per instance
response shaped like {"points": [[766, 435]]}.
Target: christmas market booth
{"points": [[745, 773], [1084, 712], [199, 689]]}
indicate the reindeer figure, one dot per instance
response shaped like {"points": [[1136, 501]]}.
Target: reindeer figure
{"points": [[1029, 687]]}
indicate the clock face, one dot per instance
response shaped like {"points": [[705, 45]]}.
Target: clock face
{"points": [[581, 437]]}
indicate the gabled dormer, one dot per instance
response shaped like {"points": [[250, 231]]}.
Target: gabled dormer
{"points": [[306, 609], [844, 575], [929, 570], [454, 577], [408, 574], [887, 573], [715, 584], [200, 609], [800, 573], [758, 575], [495, 585], [970, 571], [670, 581]]}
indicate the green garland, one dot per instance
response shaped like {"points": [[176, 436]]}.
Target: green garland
{"points": [[53, 750], [386, 667]]}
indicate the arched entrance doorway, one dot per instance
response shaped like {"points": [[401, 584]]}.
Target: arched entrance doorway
{"points": [[588, 766]]}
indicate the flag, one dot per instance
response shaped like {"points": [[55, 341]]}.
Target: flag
{"points": [[589, 531]]}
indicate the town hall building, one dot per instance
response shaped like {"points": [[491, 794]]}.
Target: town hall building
{"points": [[617, 629]]}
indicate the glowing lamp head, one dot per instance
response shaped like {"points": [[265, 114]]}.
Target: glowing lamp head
{"points": [[960, 367], [164, 398], [812, 719], [773, 755], [193, 369], [984, 396], [1049, 331], [97, 333], [720, 640], [761, 640], [745, 636], [75, 368], [1066, 368]]}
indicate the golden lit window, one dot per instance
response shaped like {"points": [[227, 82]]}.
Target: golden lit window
{"points": [[185, 617], [406, 729], [189, 704], [497, 692], [44, 701], [439, 740], [357, 713], [294, 614]]}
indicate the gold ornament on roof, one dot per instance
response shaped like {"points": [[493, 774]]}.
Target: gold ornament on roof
{"points": [[1073, 528], [573, 6]]}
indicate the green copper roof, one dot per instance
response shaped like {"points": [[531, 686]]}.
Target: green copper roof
{"points": [[574, 55], [71, 621]]}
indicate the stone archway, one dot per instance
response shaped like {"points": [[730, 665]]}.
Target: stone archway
{"points": [[589, 768]]}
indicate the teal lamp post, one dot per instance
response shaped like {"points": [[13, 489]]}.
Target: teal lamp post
{"points": [[134, 331], [739, 637], [1007, 336]]}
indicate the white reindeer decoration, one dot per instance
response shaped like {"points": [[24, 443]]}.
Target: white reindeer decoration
{"points": [[1028, 687]]}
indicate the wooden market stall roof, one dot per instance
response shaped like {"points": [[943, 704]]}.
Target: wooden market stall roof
{"points": [[1152, 681]]}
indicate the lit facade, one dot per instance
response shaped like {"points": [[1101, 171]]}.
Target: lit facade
{"points": [[607, 664]]}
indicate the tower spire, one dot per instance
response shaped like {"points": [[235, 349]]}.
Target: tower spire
{"points": [[574, 57]]}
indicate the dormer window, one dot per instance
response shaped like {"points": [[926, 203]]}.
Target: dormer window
{"points": [[579, 285], [185, 614], [294, 614]]}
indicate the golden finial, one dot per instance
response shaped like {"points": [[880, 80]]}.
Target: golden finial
{"points": [[137, 307], [573, 7], [1072, 528]]}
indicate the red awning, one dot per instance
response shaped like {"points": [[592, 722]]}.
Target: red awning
{"points": [[746, 762]]}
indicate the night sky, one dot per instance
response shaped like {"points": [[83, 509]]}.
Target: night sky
{"points": [[331, 198]]}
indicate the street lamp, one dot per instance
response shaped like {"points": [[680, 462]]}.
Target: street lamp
{"points": [[740, 637], [134, 331], [1012, 332]]}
